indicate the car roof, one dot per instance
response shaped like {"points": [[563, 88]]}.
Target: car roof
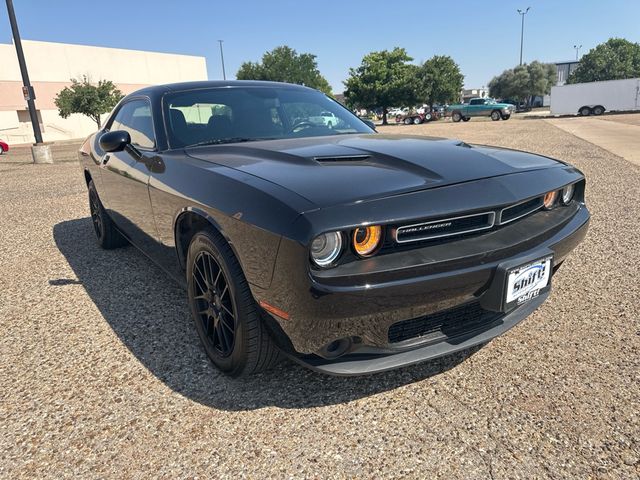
{"points": [[177, 87]]}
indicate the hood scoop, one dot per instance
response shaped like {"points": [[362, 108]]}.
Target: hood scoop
{"points": [[332, 159]]}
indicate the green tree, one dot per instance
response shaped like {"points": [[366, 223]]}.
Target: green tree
{"points": [[615, 59], [88, 99], [383, 79], [284, 64], [438, 80], [524, 81]]}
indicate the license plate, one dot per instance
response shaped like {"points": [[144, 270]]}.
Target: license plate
{"points": [[527, 282]]}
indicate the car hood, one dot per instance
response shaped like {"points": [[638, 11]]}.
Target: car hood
{"points": [[343, 169]]}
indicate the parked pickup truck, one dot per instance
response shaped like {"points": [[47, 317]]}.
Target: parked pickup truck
{"points": [[480, 107]]}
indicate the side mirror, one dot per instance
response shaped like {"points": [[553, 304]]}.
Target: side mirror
{"points": [[369, 124], [114, 141]]}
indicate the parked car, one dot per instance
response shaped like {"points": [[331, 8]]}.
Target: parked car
{"points": [[520, 106], [394, 112], [480, 107], [4, 147], [348, 251], [325, 118], [439, 109]]}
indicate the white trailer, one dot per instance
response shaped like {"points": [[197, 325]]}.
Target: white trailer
{"points": [[596, 97]]}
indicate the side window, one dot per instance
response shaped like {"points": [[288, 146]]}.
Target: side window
{"points": [[135, 118]]}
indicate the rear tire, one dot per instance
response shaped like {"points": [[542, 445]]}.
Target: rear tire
{"points": [[407, 121], [585, 111], [225, 313], [598, 110], [106, 232], [466, 119], [417, 121], [456, 117], [495, 115]]}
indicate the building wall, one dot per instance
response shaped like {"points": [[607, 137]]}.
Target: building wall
{"points": [[52, 65], [565, 69]]}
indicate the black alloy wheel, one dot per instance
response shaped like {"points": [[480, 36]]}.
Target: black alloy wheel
{"points": [[106, 232], [227, 318], [214, 305], [96, 216]]}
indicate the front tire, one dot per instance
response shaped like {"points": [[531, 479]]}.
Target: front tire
{"points": [[106, 232], [417, 121], [506, 117], [226, 316], [495, 115]]}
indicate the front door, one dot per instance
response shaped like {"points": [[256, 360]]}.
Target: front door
{"points": [[125, 175]]}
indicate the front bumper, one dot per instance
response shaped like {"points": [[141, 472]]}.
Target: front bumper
{"points": [[372, 360], [363, 301]]}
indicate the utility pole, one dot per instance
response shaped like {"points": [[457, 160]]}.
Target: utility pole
{"points": [[522, 14], [41, 153], [577, 47], [224, 74]]}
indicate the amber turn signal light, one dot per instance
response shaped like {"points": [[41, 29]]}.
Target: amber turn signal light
{"points": [[550, 199], [366, 240]]}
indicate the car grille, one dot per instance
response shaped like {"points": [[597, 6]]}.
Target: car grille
{"points": [[445, 227], [463, 224], [519, 210], [444, 324]]}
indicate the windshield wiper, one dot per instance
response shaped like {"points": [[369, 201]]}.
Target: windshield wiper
{"points": [[220, 141]]}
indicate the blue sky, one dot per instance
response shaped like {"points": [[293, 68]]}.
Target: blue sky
{"points": [[482, 36]]}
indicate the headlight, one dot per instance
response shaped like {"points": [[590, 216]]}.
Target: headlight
{"points": [[567, 193], [550, 199], [326, 248], [366, 240]]}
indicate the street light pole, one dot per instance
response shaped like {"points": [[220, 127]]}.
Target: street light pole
{"points": [[522, 14], [28, 89], [224, 74], [577, 47]]}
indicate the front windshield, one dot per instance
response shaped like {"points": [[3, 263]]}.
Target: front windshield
{"points": [[241, 114]]}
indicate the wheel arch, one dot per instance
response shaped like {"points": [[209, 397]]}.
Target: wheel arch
{"points": [[189, 221]]}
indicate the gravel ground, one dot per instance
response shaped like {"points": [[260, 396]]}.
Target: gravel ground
{"points": [[103, 375]]}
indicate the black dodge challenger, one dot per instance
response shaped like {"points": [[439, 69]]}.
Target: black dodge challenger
{"points": [[296, 228]]}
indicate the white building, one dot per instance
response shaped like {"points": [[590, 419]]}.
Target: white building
{"points": [[469, 93], [52, 65], [565, 69]]}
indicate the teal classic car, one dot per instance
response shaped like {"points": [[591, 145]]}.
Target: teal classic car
{"points": [[480, 107]]}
